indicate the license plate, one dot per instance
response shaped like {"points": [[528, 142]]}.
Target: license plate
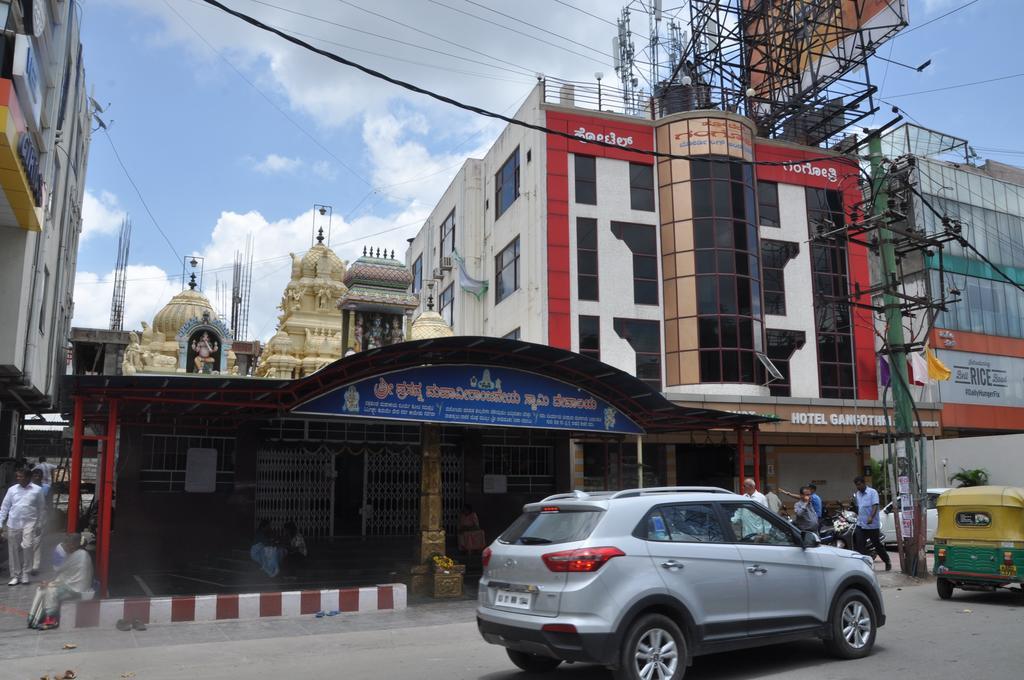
{"points": [[1007, 569], [508, 598]]}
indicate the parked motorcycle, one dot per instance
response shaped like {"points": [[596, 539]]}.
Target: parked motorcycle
{"points": [[839, 528]]}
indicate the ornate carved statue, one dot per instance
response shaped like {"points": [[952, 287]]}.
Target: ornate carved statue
{"points": [[294, 298], [204, 348], [132, 363], [358, 333], [158, 361], [323, 297], [396, 331], [296, 267], [376, 334]]}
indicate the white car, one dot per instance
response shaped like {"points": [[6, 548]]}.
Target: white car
{"points": [[931, 518]]}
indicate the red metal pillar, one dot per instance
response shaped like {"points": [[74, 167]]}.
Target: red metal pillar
{"points": [[755, 444], [75, 474], [107, 497], [740, 456]]}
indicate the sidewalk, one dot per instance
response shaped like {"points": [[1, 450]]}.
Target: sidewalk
{"points": [[896, 578]]}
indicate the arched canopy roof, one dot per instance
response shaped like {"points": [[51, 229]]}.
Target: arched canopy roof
{"points": [[232, 398]]}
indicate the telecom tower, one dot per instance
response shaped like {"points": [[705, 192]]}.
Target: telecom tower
{"points": [[797, 68], [124, 239], [241, 285]]}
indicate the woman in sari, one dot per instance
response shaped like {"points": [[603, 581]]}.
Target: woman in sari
{"points": [[471, 536], [72, 579]]}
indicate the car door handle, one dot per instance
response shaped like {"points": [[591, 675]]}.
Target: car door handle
{"points": [[673, 565], [756, 570]]}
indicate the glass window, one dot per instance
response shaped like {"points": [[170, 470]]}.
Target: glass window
{"points": [[645, 339], [506, 184], [641, 186], [448, 235], [642, 241], [829, 276], [511, 335], [417, 275], [586, 258], [775, 255], [590, 336], [689, 523], [549, 528], [586, 179], [750, 523], [768, 204], [446, 304], [506, 271]]}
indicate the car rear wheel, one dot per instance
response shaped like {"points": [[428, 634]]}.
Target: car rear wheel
{"points": [[945, 588], [853, 626], [532, 663], [654, 649]]}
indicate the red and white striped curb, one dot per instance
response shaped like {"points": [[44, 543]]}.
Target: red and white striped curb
{"points": [[105, 613]]}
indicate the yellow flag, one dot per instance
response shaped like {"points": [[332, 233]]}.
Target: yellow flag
{"points": [[936, 369]]}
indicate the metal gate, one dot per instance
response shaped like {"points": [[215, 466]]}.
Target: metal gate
{"points": [[452, 486], [296, 484], [391, 491]]}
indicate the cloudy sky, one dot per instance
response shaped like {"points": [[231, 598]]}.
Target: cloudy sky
{"points": [[228, 131]]}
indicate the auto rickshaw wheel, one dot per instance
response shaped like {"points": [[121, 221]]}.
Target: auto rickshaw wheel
{"points": [[945, 588]]}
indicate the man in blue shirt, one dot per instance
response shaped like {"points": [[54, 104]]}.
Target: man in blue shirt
{"points": [[868, 523], [815, 498]]}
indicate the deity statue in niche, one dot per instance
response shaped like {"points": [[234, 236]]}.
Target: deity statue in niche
{"points": [[358, 333], [205, 350], [323, 297], [396, 330], [132, 362], [294, 299], [376, 338]]}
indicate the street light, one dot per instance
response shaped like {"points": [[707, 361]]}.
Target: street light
{"points": [[325, 211]]}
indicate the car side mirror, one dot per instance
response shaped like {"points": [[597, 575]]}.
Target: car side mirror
{"points": [[809, 539]]}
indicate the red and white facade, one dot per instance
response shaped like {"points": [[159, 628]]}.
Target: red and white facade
{"points": [[552, 298]]}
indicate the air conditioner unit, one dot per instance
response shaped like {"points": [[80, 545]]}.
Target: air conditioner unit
{"points": [[446, 264]]}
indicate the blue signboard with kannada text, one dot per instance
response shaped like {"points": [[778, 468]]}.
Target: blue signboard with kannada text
{"points": [[472, 395]]}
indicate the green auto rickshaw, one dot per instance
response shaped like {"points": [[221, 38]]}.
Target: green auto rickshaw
{"points": [[979, 542]]}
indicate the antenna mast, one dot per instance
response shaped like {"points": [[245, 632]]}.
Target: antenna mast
{"points": [[124, 239], [241, 285]]}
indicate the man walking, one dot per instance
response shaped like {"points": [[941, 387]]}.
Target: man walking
{"points": [[751, 492], [46, 469], [22, 514], [868, 523]]}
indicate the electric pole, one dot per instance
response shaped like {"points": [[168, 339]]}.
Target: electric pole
{"points": [[912, 555]]}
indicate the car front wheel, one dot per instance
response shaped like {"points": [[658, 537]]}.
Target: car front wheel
{"points": [[531, 663], [853, 626], [654, 649]]}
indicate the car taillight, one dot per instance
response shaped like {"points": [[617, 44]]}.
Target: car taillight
{"points": [[485, 557], [580, 560]]}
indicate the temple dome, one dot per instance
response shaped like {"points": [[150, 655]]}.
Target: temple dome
{"points": [[430, 325], [321, 262], [187, 305]]}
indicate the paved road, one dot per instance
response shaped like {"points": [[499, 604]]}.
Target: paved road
{"points": [[974, 636]]}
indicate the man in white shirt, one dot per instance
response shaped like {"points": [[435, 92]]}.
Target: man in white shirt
{"points": [[751, 492], [47, 470], [22, 514]]}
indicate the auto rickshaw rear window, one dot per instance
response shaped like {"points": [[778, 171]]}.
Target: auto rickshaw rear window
{"points": [[973, 519]]}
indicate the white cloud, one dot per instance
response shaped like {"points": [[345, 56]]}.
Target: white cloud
{"points": [[148, 288], [324, 170], [101, 214], [274, 164]]}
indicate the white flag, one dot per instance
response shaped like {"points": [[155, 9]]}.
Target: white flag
{"points": [[475, 286]]}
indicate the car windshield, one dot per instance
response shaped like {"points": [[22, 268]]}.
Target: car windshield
{"points": [[546, 528]]}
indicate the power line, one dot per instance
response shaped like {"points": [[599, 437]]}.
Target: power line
{"points": [[523, 33], [267, 98], [539, 28], [518, 70], [478, 110], [954, 87], [583, 11], [135, 186], [932, 21], [417, 30]]}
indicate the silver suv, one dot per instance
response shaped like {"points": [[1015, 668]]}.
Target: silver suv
{"points": [[644, 580]]}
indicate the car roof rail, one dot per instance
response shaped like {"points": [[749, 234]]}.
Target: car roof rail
{"points": [[633, 493]]}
